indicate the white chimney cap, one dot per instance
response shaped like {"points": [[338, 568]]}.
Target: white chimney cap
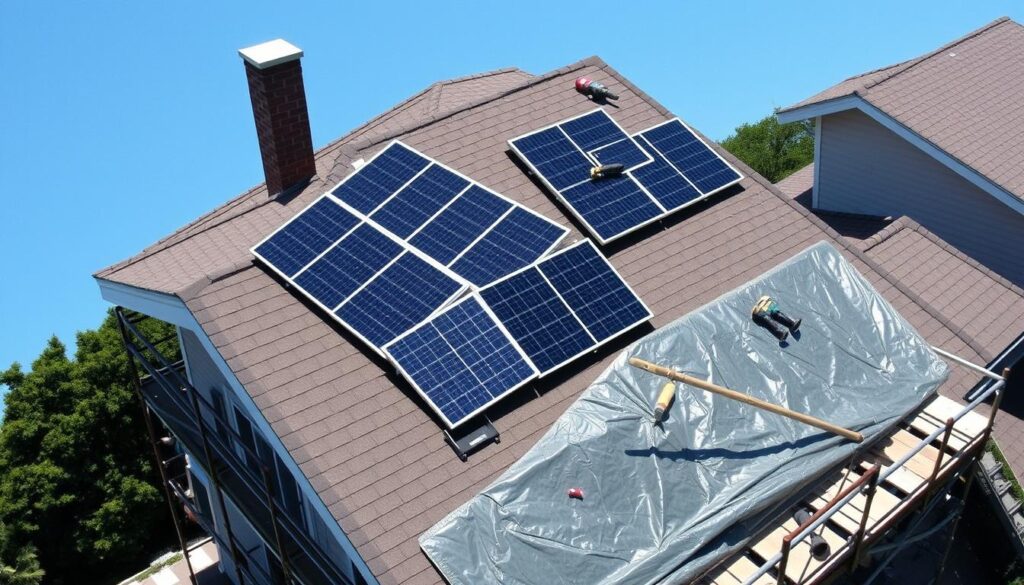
{"points": [[270, 53]]}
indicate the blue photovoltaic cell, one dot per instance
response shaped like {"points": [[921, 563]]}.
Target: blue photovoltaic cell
{"points": [[518, 240], [594, 291], [406, 293], [537, 319], [663, 182], [375, 181], [611, 206], [461, 360], [624, 152], [306, 236], [455, 228], [594, 130], [701, 165], [411, 207], [348, 265], [555, 157]]}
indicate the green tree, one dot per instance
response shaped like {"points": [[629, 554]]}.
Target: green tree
{"points": [[772, 149], [18, 565], [76, 473]]}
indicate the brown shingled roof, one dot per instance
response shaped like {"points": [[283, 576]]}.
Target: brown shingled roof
{"points": [[368, 444], [964, 97]]}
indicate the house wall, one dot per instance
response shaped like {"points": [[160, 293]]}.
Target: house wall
{"points": [[207, 378], [863, 167]]}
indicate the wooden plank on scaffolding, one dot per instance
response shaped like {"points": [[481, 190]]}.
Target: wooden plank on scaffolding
{"points": [[848, 517], [926, 424], [899, 444], [902, 479], [973, 424], [801, 564]]}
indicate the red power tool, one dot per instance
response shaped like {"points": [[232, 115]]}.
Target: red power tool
{"points": [[594, 89]]}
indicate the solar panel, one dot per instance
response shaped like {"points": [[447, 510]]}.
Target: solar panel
{"points": [[405, 293], [306, 236], [398, 239], [612, 206], [667, 167], [566, 305], [380, 178], [446, 215], [418, 201], [690, 156], [537, 318], [461, 224], [594, 291], [370, 281], [597, 132], [461, 361], [350, 264], [517, 240], [663, 182]]}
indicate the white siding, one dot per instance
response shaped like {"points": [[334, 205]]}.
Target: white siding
{"points": [[865, 168]]}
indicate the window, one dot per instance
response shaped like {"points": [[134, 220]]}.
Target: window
{"points": [[289, 495], [220, 413], [247, 450]]}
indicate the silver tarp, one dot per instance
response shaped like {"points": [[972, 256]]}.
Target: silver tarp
{"points": [[662, 503]]}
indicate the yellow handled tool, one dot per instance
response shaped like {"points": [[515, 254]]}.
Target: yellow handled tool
{"points": [[741, 397], [668, 392]]}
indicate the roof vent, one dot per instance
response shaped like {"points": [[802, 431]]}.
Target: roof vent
{"points": [[282, 119]]}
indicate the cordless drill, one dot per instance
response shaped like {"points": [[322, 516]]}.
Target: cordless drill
{"points": [[594, 89], [766, 313]]}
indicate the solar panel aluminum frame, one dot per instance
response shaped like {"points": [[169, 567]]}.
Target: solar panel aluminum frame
{"points": [[558, 194], [492, 402], [463, 284], [597, 344], [433, 161], [665, 212], [739, 175]]}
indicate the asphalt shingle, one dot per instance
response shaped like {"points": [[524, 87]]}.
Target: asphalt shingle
{"points": [[366, 441]]}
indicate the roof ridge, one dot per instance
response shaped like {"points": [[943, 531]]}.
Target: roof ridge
{"points": [[338, 144], [481, 74], [533, 80], [402, 105], [911, 63]]}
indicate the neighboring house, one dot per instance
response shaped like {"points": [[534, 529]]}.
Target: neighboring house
{"points": [[276, 403], [936, 138]]}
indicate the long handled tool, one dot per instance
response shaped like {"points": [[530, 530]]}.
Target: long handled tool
{"points": [[741, 397]]}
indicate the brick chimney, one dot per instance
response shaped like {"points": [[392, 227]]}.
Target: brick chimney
{"points": [[279, 106]]}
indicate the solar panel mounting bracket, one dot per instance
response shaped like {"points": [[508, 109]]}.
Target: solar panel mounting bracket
{"points": [[464, 442]]}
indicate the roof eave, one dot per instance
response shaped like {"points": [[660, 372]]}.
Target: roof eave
{"points": [[855, 101]]}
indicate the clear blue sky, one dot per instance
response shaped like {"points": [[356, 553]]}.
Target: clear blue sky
{"points": [[121, 121]]}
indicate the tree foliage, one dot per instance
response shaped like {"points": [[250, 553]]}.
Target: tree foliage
{"points": [[76, 474], [18, 564], [772, 149]]}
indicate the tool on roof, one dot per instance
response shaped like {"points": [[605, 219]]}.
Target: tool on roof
{"points": [[766, 313], [607, 171], [594, 89], [668, 392], [819, 546], [741, 397]]}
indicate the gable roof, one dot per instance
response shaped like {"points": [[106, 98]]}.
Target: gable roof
{"points": [[367, 442], [964, 98]]}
